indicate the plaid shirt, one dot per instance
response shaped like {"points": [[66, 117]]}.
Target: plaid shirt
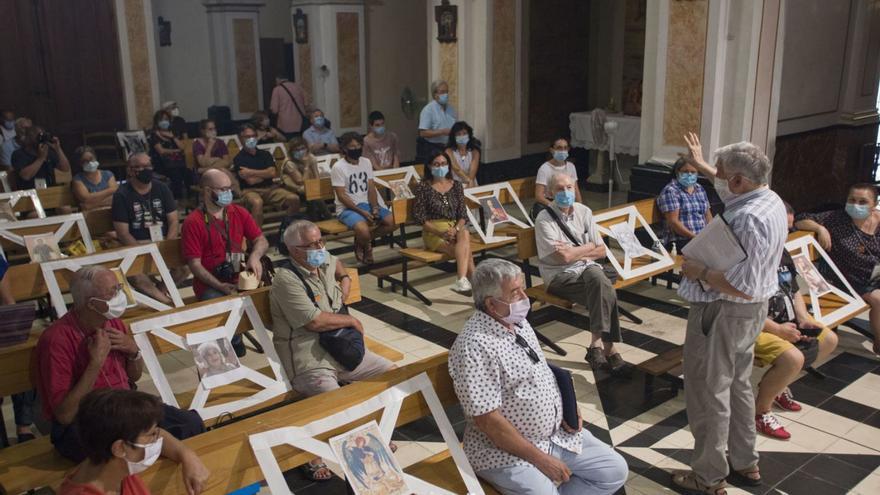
{"points": [[691, 208]]}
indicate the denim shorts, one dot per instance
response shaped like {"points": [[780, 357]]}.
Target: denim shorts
{"points": [[351, 218]]}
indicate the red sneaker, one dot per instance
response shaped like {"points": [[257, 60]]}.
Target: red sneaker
{"points": [[786, 401], [767, 424]]}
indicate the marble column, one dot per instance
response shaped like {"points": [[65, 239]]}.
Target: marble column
{"points": [[713, 67], [138, 60], [330, 62], [483, 70], [234, 33]]}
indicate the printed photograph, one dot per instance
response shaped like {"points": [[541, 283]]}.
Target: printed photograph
{"points": [[400, 189], [42, 247], [627, 240], [214, 357], [493, 210], [818, 284], [369, 464], [123, 281]]}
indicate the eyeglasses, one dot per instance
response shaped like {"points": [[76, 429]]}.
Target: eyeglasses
{"points": [[314, 245], [520, 341]]}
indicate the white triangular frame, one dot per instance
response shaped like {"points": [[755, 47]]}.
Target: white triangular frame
{"points": [[475, 194], [271, 147], [64, 223], [325, 163], [125, 257], [236, 308], [303, 437], [631, 216], [854, 302], [14, 197], [408, 173], [230, 138]]}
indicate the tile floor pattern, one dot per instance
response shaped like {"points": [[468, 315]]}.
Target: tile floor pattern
{"points": [[835, 445]]}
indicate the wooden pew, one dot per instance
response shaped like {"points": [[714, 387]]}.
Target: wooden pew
{"points": [[56, 197], [227, 452]]}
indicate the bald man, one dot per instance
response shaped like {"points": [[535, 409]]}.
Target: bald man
{"points": [[212, 242]]}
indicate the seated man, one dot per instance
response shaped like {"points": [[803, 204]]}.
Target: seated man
{"points": [[321, 139], [121, 437], [144, 211], [515, 436], [255, 169], [570, 271], [211, 242], [785, 345], [90, 348], [358, 204], [298, 319], [35, 162]]}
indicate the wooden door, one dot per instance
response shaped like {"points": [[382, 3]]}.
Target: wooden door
{"points": [[68, 73]]}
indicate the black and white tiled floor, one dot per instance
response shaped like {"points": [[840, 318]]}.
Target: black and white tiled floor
{"points": [[835, 444]]}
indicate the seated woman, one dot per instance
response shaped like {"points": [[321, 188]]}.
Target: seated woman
{"points": [[92, 188], [208, 151], [266, 134], [852, 239], [120, 438], [301, 166], [557, 163], [464, 150], [166, 153], [684, 205], [441, 211]]}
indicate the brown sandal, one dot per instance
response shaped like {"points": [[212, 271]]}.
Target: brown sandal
{"points": [[750, 476], [688, 480]]}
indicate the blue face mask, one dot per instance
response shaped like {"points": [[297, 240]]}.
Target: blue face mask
{"points": [[687, 179], [9, 124], [299, 154], [784, 278], [564, 198], [250, 142], [560, 156], [443, 99], [319, 121], [858, 212], [379, 130], [164, 125], [223, 198], [440, 171], [462, 140], [316, 257]]}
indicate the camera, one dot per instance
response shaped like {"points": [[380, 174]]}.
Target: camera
{"points": [[45, 138], [225, 272]]}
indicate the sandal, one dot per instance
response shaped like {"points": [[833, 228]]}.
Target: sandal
{"points": [[312, 471], [750, 476], [688, 480]]}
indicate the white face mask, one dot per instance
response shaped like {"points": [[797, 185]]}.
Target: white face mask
{"points": [[152, 451], [723, 190], [518, 311], [115, 306], [90, 166]]}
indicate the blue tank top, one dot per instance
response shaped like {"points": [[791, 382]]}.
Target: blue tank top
{"points": [[100, 186]]}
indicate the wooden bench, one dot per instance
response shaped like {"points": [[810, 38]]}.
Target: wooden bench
{"points": [[227, 452]]}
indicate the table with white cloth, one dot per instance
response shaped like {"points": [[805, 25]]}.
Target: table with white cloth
{"points": [[626, 141]]}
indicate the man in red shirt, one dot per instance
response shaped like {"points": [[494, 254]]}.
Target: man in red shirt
{"points": [[212, 242], [91, 348]]}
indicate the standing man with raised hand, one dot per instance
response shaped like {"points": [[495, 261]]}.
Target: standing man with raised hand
{"points": [[726, 315]]}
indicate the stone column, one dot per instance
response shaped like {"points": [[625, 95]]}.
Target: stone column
{"points": [[234, 33], [330, 59], [713, 67], [482, 68], [138, 61]]}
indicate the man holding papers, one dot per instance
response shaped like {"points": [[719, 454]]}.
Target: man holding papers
{"points": [[729, 275]]}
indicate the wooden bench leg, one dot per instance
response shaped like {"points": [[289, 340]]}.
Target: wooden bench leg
{"points": [[549, 343], [254, 342], [635, 319]]}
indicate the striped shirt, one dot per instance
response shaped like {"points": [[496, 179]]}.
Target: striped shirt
{"points": [[759, 221]]}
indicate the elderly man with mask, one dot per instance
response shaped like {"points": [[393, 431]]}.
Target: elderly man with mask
{"points": [[515, 437], [256, 172], [568, 267], [435, 122], [307, 298], [90, 348], [726, 316]]}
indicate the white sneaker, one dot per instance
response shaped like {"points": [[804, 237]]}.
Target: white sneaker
{"points": [[462, 286]]}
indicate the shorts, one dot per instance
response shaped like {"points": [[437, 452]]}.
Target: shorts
{"points": [[351, 218], [768, 347], [270, 195], [432, 241]]}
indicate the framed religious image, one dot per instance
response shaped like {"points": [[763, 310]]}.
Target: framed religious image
{"points": [[301, 27], [370, 466], [811, 275], [214, 357], [123, 282], [493, 210], [446, 16], [400, 189], [42, 247]]}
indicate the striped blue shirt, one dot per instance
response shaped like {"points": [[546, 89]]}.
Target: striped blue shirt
{"points": [[759, 221]]}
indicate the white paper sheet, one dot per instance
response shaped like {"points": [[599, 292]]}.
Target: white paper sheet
{"points": [[716, 246]]}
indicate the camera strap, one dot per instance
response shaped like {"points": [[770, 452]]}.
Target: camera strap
{"points": [[226, 238]]}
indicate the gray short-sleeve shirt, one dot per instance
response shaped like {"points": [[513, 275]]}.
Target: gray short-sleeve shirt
{"points": [[547, 234]]}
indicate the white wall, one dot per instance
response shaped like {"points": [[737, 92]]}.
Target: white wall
{"points": [[275, 20], [184, 68]]}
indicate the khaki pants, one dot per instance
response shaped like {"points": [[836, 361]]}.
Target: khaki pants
{"points": [[718, 355], [316, 381], [594, 291]]}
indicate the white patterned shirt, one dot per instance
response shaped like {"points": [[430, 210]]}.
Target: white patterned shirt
{"points": [[759, 221], [490, 371]]}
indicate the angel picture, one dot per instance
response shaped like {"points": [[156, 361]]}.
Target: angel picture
{"points": [[493, 210], [400, 189], [817, 283], [369, 465]]}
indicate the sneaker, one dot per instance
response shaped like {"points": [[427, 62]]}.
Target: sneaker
{"points": [[786, 401], [767, 424], [596, 358], [462, 286]]}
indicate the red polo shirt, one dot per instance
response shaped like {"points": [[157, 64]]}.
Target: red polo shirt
{"points": [[63, 355], [210, 247]]}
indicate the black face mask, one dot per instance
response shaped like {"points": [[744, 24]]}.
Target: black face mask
{"points": [[145, 176], [353, 154]]}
